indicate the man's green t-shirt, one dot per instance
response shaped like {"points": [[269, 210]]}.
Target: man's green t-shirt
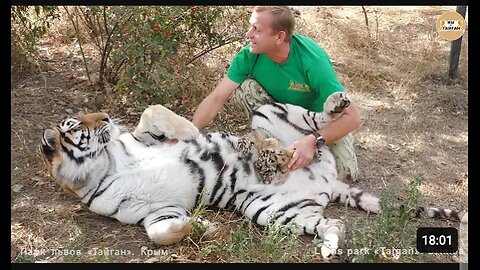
{"points": [[306, 79]]}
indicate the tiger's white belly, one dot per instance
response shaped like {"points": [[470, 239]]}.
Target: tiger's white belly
{"points": [[148, 178]]}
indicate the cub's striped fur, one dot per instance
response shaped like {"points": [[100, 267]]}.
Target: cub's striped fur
{"points": [[155, 175]]}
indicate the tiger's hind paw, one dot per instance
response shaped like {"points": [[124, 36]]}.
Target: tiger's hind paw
{"points": [[336, 103]]}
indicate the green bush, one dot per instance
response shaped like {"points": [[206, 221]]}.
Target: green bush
{"points": [[149, 49], [28, 25]]}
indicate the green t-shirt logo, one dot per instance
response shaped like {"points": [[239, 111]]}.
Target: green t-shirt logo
{"points": [[299, 87]]}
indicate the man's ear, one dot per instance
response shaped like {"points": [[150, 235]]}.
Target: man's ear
{"points": [[281, 36]]}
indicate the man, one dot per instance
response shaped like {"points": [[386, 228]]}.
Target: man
{"points": [[284, 67]]}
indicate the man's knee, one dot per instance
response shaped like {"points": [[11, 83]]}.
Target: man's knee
{"points": [[251, 95], [345, 158]]}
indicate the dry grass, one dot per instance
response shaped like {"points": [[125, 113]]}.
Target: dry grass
{"points": [[414, 123]]}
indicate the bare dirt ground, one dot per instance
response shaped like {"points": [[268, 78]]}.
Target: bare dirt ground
{"points": [[414, 124]]}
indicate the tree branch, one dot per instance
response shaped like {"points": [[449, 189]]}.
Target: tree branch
{"points": [[77, 32], [212, 49], [366, 19]]}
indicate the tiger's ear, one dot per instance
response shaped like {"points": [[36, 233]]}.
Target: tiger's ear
{"points": [[48, 148], [48, 141]]}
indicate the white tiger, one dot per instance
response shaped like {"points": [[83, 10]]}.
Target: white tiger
{"points": [[156, 175]]}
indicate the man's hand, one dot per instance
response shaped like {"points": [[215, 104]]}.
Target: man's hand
{"points": [[304, 152]]}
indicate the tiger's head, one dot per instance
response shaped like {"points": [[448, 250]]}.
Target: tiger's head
{"points": [[67, 146]]}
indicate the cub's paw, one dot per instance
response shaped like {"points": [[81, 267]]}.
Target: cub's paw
{"points": [[244, 145], [268, 177], [336, 103]]}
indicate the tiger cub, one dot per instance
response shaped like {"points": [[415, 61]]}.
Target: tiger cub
{"points": [[273, 157]]}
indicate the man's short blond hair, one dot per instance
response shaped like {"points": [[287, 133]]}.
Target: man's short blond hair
{"points": [[283, 19]]}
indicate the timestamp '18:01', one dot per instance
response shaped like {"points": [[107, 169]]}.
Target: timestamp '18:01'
{"points": [[437, 240]]}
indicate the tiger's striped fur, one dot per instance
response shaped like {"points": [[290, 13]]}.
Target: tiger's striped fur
{"points": [[150, 182]]}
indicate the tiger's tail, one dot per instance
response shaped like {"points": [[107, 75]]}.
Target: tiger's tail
{"points": [[365, 201], [441, 213]]}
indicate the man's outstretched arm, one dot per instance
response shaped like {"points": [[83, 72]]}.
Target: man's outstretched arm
{"points": [[213, 103]]}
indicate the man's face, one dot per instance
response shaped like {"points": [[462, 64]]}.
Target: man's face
{"points": [[261, 35]]}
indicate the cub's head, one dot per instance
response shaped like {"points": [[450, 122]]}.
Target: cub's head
{"points": [[66, 147]]}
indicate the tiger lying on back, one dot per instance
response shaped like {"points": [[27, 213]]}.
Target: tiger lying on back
{"points": [[155, 175], [273, 157]]}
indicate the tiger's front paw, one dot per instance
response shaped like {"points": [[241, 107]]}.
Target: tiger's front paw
{"points": [[336, 103], [244, 145]]}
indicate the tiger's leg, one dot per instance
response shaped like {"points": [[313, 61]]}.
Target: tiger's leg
{"points": [[306, 212], [157, 121], [307, 215], [335, 105], [332, 232], [310, 220], [342, 150], [251, 95]]}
